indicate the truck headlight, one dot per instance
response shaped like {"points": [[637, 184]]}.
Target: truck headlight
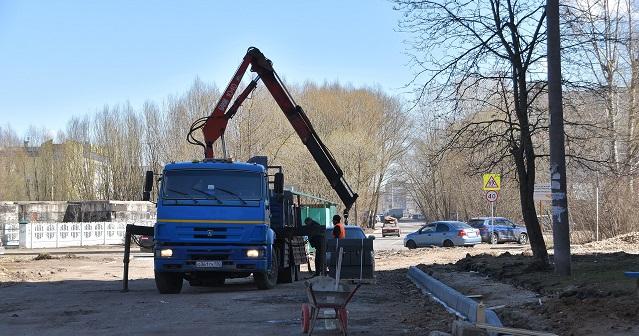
{"points": [[166, 253], [252, 253]]}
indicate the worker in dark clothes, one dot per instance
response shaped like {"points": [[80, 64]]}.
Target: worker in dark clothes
{"points": [[339, 231], [318, 242]]}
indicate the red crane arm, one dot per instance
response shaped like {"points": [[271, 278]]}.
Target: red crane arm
{"points": [[216, 123]]}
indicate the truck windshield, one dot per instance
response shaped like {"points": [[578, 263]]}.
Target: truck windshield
{"points": [[212, 184]]}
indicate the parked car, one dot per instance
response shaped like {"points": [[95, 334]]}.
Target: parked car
{"points": [[443, 233], [501, 230], [390, 227]]}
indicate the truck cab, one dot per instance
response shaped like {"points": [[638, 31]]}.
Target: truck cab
{"points": [[213, 223]]}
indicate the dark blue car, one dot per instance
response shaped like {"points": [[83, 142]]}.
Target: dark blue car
{"points": [[501, 230]]}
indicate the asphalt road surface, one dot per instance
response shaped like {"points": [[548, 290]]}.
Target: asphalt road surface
{"points": [[80, 295], [393, 242]]}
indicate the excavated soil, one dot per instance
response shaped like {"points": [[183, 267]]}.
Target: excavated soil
{"points": [[627, 242], [596, 300]]}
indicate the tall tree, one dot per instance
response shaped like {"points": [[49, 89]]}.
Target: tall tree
{"points": [[470, 48], [599, 30]]}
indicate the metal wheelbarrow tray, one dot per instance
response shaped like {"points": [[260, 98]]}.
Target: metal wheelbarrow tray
{"points": [[323, 293]]}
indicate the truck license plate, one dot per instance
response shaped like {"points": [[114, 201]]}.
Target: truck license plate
{"points": [[208, 263]]}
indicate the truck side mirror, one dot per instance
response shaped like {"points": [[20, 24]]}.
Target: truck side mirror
{"points": [[148, 185], [278, 183]]}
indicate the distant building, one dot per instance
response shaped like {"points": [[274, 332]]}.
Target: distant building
{"points": [[395, 197], [34, 172]]}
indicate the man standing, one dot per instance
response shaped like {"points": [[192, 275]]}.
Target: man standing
{"points": [[318, 242], [339, 231]]}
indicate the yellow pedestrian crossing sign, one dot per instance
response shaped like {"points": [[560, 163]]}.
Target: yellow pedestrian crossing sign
{"points": [[491, 182]]}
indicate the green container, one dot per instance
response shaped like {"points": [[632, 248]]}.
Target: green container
{"points": [[322, 214], [319, 209]]}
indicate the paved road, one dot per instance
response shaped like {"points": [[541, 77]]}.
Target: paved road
{"points": [[81, 295], [395, 243]]}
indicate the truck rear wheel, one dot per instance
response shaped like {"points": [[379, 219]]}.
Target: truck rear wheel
{"points": [[168, 282], [268, 279]]}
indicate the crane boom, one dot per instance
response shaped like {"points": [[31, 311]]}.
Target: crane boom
{"points": [[215, 125]]}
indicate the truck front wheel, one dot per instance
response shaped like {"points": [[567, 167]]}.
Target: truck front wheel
{"points": [[268, 279], [168, 282]]}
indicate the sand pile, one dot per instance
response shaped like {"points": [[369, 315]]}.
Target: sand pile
{"points": [[626, 242]]}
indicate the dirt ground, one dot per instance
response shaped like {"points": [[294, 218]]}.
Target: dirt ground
{"points": [[80, 294], [596, 300]]}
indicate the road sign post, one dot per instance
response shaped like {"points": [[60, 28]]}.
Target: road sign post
{"points": [[492, 196], [491, 184], [492, 221]]}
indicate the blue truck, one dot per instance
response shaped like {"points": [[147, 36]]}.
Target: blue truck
{"points": [[218, 218]]}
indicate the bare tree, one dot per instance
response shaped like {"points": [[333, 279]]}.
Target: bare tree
{"points": [[598, 30], [393, 136], [460, 46], [11, 178], [105, 154]]}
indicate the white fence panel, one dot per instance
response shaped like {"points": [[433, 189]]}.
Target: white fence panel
{"points": [[44, 235], [92, 233], [58, 234], [51, 235], [10, 234], [68, 234]]}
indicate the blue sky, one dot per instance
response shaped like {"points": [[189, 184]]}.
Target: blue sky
{"points": [[64, 58]]}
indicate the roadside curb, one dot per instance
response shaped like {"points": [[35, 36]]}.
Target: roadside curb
{"points": [[450, 298]]}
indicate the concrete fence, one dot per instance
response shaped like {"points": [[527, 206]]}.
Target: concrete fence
{"points": [[10, 234], [35, 224], [65, 234]]}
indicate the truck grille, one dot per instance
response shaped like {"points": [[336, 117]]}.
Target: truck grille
{"points": [[209, 233], [208, 255]]}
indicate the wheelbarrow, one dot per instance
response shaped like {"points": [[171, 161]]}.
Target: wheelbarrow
{"points": [[324, 293]]}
